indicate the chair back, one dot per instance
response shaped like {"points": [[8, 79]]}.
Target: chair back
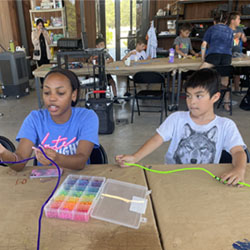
{"points": [[7, 144], [227, 158], [227, 70], [98, 156], [148, 77]]}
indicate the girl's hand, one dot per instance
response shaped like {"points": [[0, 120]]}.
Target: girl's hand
{"points": [[52, 154], [121, 159], [2, 148]]}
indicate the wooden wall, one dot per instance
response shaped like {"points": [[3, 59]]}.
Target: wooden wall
{"points": [[9, 28], [9, 25]]}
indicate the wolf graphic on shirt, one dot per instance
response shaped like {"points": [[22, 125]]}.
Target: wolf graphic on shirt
{"points": [[196, 147]]}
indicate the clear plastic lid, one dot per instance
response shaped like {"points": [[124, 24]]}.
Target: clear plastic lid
{"points": [[121, 203]]}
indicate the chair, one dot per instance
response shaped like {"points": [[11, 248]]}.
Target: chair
{"points": [[98, 156], [7, 144], [226, 71], [149, 78], [227, 158]]}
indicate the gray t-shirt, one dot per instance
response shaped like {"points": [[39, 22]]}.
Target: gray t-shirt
{"points": [[184, 44], [237, 47], [198, 144]]}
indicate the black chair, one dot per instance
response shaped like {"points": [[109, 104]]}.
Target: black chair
{"points": [[7, 144], [226, 71], [98, 156], [227, 158], [149, 78]]}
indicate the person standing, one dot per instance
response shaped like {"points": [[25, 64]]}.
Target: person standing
{"points": [[41, 41]]}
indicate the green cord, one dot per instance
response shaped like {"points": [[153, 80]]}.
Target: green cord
{"points": [[182, 169]]}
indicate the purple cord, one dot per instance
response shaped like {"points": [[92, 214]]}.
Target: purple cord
{"points": [[58, 181], [15, 162], [41, 214]]}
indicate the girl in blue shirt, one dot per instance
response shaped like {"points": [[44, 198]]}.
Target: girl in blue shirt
{"points": [[67, 133]]}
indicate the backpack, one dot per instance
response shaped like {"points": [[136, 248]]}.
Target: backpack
{"points": [[245, 103]]}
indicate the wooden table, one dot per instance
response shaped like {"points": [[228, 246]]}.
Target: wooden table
{"points": [[22, 198], [194, 211]]}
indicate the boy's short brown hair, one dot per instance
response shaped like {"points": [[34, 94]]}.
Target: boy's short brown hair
{"points": [[233, 15], [141, 40], [186, 26], [99, 40]]}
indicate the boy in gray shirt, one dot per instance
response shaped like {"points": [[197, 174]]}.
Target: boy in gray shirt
{"points": [[182, 43]]}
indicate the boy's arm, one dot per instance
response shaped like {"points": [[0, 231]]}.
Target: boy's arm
{"points": [[177, 49], [133, 52], [239, 160], [152, 144]]}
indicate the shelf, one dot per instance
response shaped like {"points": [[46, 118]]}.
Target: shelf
{"points": [[196, 38], [46, 10], [207, 20], [166, 17], [245, 17], [53, 28], [196, 1], [53, 45], [166, 36]]}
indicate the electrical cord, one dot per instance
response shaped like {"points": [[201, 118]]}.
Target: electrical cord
{"points": [[52, 193], [183, 169]]}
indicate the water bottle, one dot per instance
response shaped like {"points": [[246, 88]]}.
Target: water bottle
{"points": [[171, 55], [108, 92]]}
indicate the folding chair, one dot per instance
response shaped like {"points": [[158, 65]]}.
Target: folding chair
{"points": [[226, 71], [149, 78]]}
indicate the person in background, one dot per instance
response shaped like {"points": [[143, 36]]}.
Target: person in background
{"points": [[100, 43], [219, 40], [182, 43], [41, 41], [239, 38], [67, 133], [139, 52], [198, 136]]}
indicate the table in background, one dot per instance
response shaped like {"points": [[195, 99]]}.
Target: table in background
{"points": [[184, 65], [194, 211], [21, 201]]}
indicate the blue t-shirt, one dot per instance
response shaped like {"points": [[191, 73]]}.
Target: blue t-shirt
{"points": [[39, 128], [220, 39]]}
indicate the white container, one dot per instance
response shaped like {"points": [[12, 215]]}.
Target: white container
{"points": [[128, 61]]}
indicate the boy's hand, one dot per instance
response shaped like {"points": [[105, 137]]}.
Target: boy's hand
{"points": [[197, 55], [121, 159], [52, 154], [233, 176]]}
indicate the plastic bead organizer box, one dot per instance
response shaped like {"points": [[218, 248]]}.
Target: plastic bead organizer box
{"points": [[82, 196]]}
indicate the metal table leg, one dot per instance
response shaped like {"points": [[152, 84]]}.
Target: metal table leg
{"points": [[172, 105], [37, 82], [178, 91]]}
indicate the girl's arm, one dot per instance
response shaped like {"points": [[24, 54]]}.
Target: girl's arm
{"points": [[151, 145], [46, 35], [24, 151], [76, 161]]}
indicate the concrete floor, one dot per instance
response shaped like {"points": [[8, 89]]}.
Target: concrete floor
{"points": [[127, 137]]}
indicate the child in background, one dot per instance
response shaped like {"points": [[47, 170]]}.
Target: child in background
{"points": [[182, 43], [100, 43], [139, 52], [67, 133], [219, 37], [198, 136], [239, 38]]}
